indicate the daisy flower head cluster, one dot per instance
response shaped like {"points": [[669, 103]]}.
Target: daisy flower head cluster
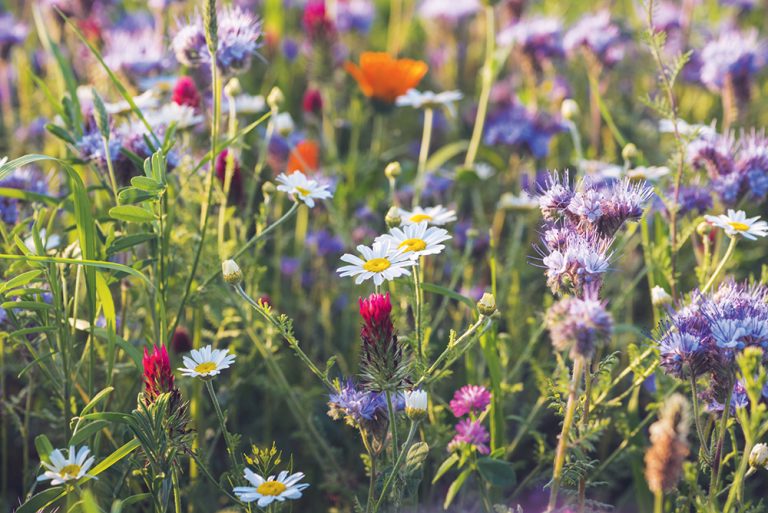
{"points": [[238, 33], [580, 223], [302, 188], [265, 491], [703, 336], [471, 435], [60, 469], [206, 362], [737, 166]]}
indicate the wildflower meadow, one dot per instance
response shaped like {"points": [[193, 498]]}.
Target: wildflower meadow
{"points": [[383, 256]]}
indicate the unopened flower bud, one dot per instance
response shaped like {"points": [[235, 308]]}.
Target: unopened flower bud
{"points": [[660, 297], [704, 228], [757, 458], [393, 170], [268, 189], [416, 404], [233, 87], [487, 304], [231, 271], [284, 124], [275, 98], [629, 152], [393, 217], [569, 109]]}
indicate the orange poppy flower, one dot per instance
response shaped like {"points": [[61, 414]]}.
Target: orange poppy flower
{"points": [[305, 157], [383, 78]]}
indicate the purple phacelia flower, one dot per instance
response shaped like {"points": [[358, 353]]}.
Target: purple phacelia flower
{"points": [[450, 12], [355, 405], [732, 60], [135, 52], [470, 399], [539, 39], [579, 325], [524, 129], [354, 15], [600, 36], [12, 33]]}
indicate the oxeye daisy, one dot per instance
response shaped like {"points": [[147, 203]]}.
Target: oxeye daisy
{"points": [[436, 216], [379, 262], [61, 469], [302, 188], [416, 239], [736, 223], [266, 491], [206, 362]]}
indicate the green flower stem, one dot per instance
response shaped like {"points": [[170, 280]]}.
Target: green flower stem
{"points": [[176, 491], [658, 502], [421, 170], [721, 265], [697, 419], [287, 335], [416, 271], [229, 171], [372, 476], [737, 488], [398, 463], [562, 444], [392, 424], [717, 457], [487, 84], [222, 423], [110, 168], [252, 241]]}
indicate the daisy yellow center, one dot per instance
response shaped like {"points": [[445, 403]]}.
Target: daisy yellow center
{"points": [[417, 218], [271, 488], [413, 245], [376, 265], [739, 227], [303, 191], [70, 470], [205, 367]]}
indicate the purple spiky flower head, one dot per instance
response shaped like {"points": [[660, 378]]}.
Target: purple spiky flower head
{"points": [[579, 325], [732, 60], [599, 35], [470, 399]]}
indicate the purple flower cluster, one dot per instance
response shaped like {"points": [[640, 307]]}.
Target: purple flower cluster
{"points": [[524, 129], [737, 167], [579, 325], [539, 39], [470, 433], [137, 53], [732, 60], [356, 405], [238, 41], [580, 223], [29, 179], [12, 33], [598, 35], [704, 336]]}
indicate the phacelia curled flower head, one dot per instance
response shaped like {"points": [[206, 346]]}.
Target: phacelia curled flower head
{"points": [[470, 399], [383, 364], [579, 325]]}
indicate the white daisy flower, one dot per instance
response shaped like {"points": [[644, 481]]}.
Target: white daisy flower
{"points": [[650, 173], [206, 362], [183, 116], [415, 402], [249, 104], [416, 239], [429, 100], [303, 188], [436, 216], [267, 491], [73, 467], [379, 262], [736, 222], [524, 201], [284, 124], [3, 161]]}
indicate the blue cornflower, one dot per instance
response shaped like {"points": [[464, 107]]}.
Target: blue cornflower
{"points": [[355, 405]]}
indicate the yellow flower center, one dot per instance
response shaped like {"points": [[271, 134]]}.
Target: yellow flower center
{"points": [[70, 471], [417, 218], [739, 227], [376, 265], [413, 245], [205, 367], [271, 488], [303, 191]]}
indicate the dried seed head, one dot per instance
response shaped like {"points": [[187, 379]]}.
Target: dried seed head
{"points": [[669, 445]]}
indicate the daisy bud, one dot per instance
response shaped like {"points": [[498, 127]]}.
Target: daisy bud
{"points": [[275, 98], [487, 304], [629, 152], [231, 271], [704, 228], [284, 124], [233, 88], [393, 217], [393, 170], [569, 109], [660, 297], [416, 404], [268, 189], [757, 458]]}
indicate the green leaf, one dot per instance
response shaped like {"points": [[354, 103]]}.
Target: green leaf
{"points": [[134, 195], [437, 289], [84, 433], [39, 501], [144, 183], [20, 280], [128, 241], [446, 466], [43, 446], [131, 214], [93, 402], [498, 473], [455, 487]]}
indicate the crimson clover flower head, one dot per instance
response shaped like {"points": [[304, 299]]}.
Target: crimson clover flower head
{"points": [[472, 433], [158, 376], [383, 363], [470, 399]]}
